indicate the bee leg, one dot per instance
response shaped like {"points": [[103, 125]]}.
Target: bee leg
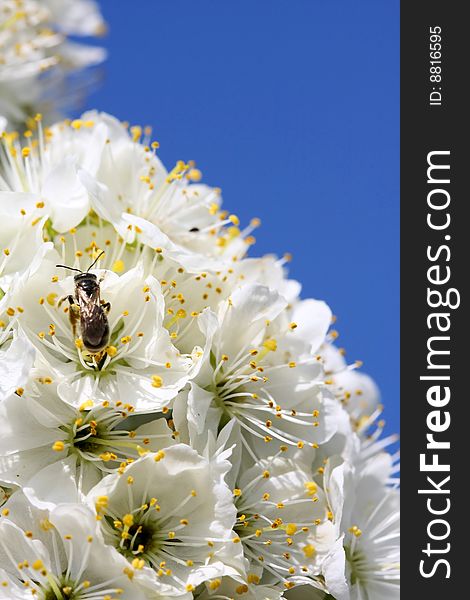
{"points": [[102, 361], [106, 306], [74, 316], [64, 298]]}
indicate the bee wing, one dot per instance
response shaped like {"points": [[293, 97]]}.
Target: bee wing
{"points": [[93, 324], [85, 300], [93, 321]]}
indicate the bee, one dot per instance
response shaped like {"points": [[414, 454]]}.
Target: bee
{"points": [[87, 309]]}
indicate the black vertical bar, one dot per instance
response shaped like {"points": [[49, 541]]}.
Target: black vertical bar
{"points": [[434, 119]]}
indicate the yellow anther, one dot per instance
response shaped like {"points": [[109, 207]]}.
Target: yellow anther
{"points": [[58, 446], [215, 584], [118, 266], [157, 381], [85, 405], [101, 503], [355, 531], [234, 219], [159, 456], [291, 528], [311, 487], [138, 563], [128, 520], [51, 298], [194, 175], [309, 550], [270, 345]]}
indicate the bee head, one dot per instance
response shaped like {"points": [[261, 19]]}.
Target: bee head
{"points": [[85, 277]]}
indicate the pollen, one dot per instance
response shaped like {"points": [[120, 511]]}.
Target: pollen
{"points": [[311, 487], [291, 528], [118, 266], [309, 550], [85, 405], [111, 351], [270, 345], [234, 219], [159, 456], [138, 563], [128, 520], [355, 531], [58, 446], [215, 584], [157, 381]]}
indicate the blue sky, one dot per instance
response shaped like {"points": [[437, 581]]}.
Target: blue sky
{"points": [[292, 108]]}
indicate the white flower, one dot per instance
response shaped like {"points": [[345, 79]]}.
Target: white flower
{"points": [[16, 352], [96, 163], [42, 176], [260, 375], [357, 392], [364, 562], [175, 421], [279, 507], [20, 236], [57, 555], [137, 365], [36, 53], [170, 514], [38, 429]]}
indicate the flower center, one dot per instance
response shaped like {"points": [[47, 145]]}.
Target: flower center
{"points": [[137, 532], [94, 437], [61, 588], [356, 560]]}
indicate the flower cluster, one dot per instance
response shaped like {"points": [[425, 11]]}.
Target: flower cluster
{"points": [[37, 58], [175, 421]]}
